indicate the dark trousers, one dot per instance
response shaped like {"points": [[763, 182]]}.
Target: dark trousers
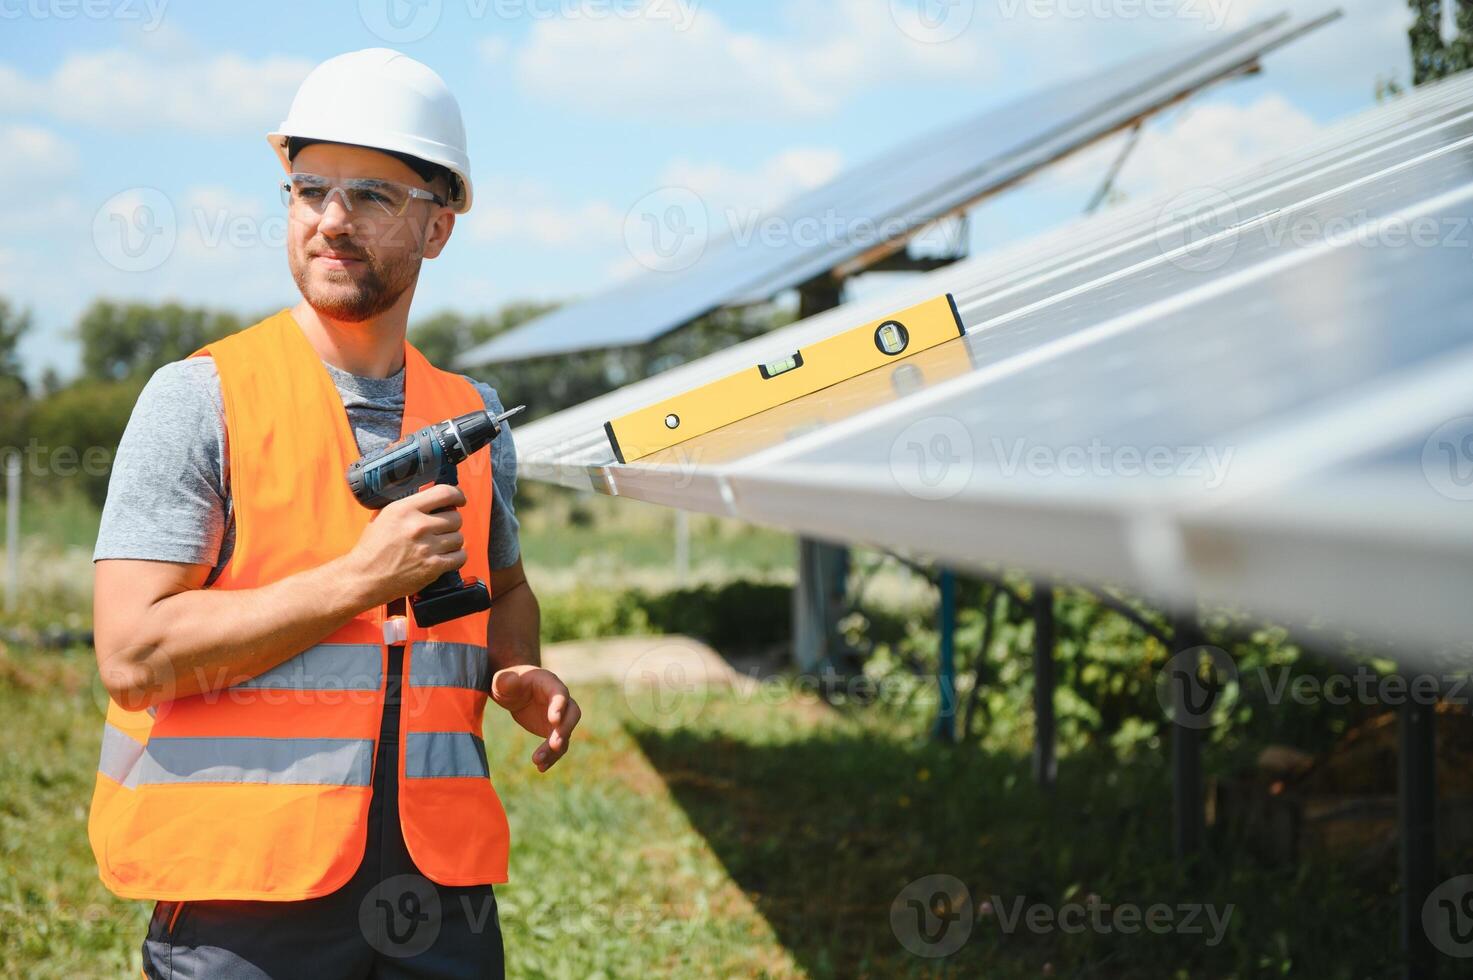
{"points": [[388, 922]]}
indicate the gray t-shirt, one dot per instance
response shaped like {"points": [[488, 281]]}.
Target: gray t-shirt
{"points": [[168, 498]]}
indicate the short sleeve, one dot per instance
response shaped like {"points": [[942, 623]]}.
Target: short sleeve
{"points": [[166, 497], [505, 546]]}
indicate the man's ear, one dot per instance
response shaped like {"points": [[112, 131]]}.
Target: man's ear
{"points": [[437, 235]]}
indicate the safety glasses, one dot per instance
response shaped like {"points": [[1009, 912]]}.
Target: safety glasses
{"points": [[312, 191]]}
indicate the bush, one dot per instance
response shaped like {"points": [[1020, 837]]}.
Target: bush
{"points": [[732, 617], [86, 415], [736, 615], [587, 614]]}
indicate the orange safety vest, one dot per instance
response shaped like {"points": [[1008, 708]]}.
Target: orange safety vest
{"points": [[258, 787]]}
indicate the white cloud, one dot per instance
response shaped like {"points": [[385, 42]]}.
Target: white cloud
{"points": [[204, 245], [493, 48], [34, 155], [1341, 58], [129, 89], [1206, 142], [1215, 140], [623, 268], [650, 67], [216, 224], [775, 180], [529, 211], [526, 210], [46, 164]]}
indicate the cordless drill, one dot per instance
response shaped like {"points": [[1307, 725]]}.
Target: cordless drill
{"points": [[421, 458]]}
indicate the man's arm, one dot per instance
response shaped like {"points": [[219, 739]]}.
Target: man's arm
{"points": [[534, 696], [513, 634], [160, 636]]}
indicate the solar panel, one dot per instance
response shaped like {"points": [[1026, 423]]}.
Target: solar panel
{"points": [[890, 198], [1063, 258], [1244, 413]]}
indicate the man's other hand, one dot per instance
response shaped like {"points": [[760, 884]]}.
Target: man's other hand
{"points": [[541, 704]]}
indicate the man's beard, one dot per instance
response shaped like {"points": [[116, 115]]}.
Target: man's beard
{"points": [[350, 297]]}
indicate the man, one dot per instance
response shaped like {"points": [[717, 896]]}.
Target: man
{"points": [[292, 767]]}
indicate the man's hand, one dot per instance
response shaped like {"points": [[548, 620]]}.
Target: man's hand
{"points": [[407, 544], [541, 704]]}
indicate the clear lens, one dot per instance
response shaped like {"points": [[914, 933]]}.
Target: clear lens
{"points": [[369, 194], [359, 195]]}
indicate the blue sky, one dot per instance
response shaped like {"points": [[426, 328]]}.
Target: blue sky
{"points": [[577, 109]]}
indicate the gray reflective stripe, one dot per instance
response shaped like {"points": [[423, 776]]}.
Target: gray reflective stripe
{"points": [[323, 761], [119, 753], [435, 663], [325, 667], [433, 754]]}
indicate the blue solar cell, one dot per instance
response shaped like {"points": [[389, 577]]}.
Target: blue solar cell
{"points": [[886, 200]]}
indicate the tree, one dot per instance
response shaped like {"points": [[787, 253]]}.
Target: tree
{"points": [[129, 341], [14, 324], [15, 403], [1432, 57], [447, 334], [550, 384], [76, 432]]}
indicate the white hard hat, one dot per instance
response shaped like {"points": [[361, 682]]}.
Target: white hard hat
{"points": [[382, 99]]}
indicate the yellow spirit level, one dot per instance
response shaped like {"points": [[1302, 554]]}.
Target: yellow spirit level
{"points": [[756, 389]]}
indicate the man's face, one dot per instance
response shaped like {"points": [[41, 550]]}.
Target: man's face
{"points": [[353, 264]]}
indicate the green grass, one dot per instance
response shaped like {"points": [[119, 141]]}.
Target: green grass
{"points": [[59, 514], [766, 835], [572, 537], [608, 876], [826, 818]]}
